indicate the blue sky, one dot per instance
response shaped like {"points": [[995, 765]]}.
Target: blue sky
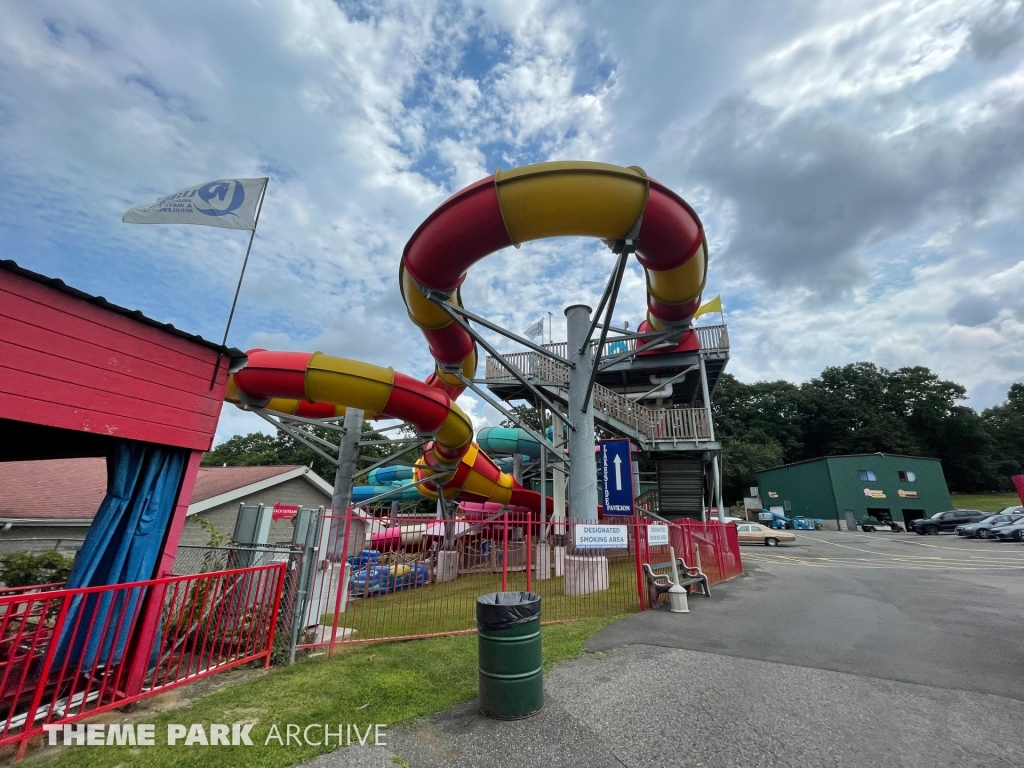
{"points": [[859, 166]]}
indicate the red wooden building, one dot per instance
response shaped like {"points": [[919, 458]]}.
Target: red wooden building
{"points": [[77, 371]]}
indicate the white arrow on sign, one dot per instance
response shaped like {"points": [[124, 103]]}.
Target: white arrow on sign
{"points": [[618, 472]]}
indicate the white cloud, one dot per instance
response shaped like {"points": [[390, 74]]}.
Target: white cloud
{"points": [[855, 164]]}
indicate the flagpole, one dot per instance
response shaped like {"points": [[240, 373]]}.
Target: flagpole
{"points": [[238, 288]]}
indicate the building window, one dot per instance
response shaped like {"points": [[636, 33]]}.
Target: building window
{"points": [[906, 476], [866, 475]]}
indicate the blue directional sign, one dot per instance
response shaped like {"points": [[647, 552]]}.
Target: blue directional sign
{"points": [[617, 471]]}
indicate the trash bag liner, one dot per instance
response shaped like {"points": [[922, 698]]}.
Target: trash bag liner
{"points": [[504, 610]]}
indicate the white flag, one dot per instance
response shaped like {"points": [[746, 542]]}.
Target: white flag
{"points": [[535, 330], [229, 203]]}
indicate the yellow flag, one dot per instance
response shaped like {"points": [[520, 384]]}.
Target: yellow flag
{"points": [[715, 305]]}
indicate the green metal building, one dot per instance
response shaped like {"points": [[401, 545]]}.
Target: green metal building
{"points": [[843, 489]]}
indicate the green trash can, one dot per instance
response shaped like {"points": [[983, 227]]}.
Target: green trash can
{"points": [[508, 639]]}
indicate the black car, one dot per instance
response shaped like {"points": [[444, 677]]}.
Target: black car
{"points": [[947, 521]]}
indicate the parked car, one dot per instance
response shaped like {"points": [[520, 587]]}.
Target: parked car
{"points": [[1011, 532], [870, 524], [947, 521], [985, 529], [755, 533]]}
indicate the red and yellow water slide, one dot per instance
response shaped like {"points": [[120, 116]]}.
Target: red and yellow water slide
{"points": [[533, 202]]}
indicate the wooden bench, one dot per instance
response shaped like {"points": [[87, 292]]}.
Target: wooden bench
{"points": [[689, 578]]}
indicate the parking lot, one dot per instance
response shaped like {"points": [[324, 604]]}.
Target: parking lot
{"points": [[846, 650], [944, 552]]}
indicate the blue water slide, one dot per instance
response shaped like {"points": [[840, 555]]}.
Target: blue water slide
{"points": [[363, 493], [389, 475]]}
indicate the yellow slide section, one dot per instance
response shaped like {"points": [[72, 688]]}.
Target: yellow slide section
{"points": [[570, 198]]}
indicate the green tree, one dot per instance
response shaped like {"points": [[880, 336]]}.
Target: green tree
{"points": [[853, 409], [743, 458], [260, 449], [1005, 424], [864, 408], [527, 413], [772, 408]]}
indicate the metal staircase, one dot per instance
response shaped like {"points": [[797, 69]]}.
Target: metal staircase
{"points": [[654, 429]]}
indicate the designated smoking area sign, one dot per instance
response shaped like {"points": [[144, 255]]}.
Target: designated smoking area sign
{"points": [[600, 537], [657, 535], [617, 471]]}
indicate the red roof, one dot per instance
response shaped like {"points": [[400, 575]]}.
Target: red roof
{"points": [[72, 489]]}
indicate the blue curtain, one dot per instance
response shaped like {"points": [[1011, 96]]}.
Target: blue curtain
{"points": [[122, 546]]}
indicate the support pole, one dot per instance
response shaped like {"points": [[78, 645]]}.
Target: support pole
{"points": [[543, 477], [583, 474], [558, 493], [543, 548], [715, 475], [348, 455]]}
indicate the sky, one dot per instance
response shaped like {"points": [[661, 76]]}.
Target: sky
{"points": [[858, 165]]}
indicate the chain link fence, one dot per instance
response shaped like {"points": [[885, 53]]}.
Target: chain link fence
{"points": [[195, 559], [35, 546]]}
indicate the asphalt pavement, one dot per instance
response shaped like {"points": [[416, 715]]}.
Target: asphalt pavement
{"points": [[843, 649]]}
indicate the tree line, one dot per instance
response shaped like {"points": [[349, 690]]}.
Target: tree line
{"points": [[864, 408], [258, 449]]}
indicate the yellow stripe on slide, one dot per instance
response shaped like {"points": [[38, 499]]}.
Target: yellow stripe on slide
{"points": [[422, 311], [456, 430], [570, 198], [355, 384], [681, 284], [467, 367]]}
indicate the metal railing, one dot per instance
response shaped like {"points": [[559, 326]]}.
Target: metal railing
{"points": [[424, 580], [68, 654], [652, 424], [710, 337]]}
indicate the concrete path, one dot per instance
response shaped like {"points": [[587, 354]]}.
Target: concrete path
{"points": [[843, 650]]}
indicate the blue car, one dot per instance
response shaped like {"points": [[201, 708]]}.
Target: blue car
{"points": [[384, 579]]}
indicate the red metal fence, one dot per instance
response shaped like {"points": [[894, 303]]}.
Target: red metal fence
{"points": [[71, 653], [429, 573], [712, 547]]}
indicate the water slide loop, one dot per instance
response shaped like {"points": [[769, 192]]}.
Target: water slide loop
{"points": [[621, 206]]}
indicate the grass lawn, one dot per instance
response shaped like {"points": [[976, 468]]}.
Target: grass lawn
{"points": [[989, 502], [364, 684], [451, 605]]}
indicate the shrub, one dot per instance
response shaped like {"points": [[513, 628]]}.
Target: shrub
{"points": [[19, 569]]}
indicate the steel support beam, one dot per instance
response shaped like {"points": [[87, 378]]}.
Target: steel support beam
{"points": [[583, 475], [449, 308], [391, 459], [613, 295], [663, 338], [611, 291], [499, 357], [715, 474], [295, 433], [493, 402]]}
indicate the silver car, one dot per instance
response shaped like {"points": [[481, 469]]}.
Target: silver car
{"points": [[987, 528]]}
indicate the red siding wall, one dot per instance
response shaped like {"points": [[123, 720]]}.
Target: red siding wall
{"points": [[67, 363]]}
